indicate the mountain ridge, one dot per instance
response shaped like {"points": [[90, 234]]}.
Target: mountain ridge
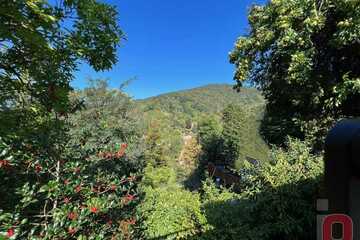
{"points": [[211, 98]]}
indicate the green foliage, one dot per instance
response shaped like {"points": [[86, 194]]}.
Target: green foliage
{"points": [[288, 188], [191, 104], [159, 177], [168, 210], [83, 185], [171, 213], [304, 56], [276, 201], [168, 119], [234, 139], [224, 212], [210, 134], [234, 120], [155, 153], [53, 186], [38, 84]]}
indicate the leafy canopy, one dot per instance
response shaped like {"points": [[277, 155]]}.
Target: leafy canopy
{"points": [[304, 55]]}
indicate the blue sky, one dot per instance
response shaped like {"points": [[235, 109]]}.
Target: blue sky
{"points": [[174, 44]]}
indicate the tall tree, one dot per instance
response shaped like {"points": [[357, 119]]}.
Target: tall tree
{"points": [[210, 131], [155, 152], [234, 133], [304, 55], [41, 44]]}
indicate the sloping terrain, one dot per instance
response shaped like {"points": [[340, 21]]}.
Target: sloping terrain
{"points": [[177, 114], [207, 99]]}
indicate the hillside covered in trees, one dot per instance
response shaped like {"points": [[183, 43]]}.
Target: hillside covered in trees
{"points": [[210, 99], [184, 113]]}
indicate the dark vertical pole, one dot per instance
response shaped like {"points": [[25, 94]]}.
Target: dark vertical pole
{"points": [[342, 166]]}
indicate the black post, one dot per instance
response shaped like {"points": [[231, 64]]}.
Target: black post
{"points": [[342, 170]]}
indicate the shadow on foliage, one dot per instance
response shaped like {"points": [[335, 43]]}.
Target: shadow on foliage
{"points": [[193, 181], [282, 213]]}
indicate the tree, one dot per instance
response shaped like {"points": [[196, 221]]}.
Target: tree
{"points": [[155, 152], [41, 45], [210, 131], [304, 56], [276, 201], [234, 133]]}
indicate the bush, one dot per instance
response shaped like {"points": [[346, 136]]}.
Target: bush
{"points": [[168, 210], [277, 201], [171, 213], [80, 182], [159, 177]]}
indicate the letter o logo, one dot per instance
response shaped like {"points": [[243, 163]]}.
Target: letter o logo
{"points": [[344, 220]]}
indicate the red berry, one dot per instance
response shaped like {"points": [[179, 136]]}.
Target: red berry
{"points": [[10, 232], [130, 197], [93, 209]]}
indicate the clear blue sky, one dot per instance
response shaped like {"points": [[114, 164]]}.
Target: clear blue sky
{"points": [[174, 44]]}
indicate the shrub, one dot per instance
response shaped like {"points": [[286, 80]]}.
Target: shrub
{"points": [[171, 213], [79, 182], [277, 201], [159, 177]]}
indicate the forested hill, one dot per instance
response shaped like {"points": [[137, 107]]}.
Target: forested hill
{"points": [[169, 118], [207, 99]]}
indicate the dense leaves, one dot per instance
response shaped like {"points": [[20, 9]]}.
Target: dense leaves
{"points": [[51, 177], [91, 192], [276, 202], [304, 55], [170, 211], [235, 138]]}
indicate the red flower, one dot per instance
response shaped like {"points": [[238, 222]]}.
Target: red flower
{"points": [[4, 163], [113, 187], [71, 230], [72, 215], [124, 145], [93, 209], [66, 200], [78, 188], [130, 197], [66, 181], [38, 168], [10, 232]]}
